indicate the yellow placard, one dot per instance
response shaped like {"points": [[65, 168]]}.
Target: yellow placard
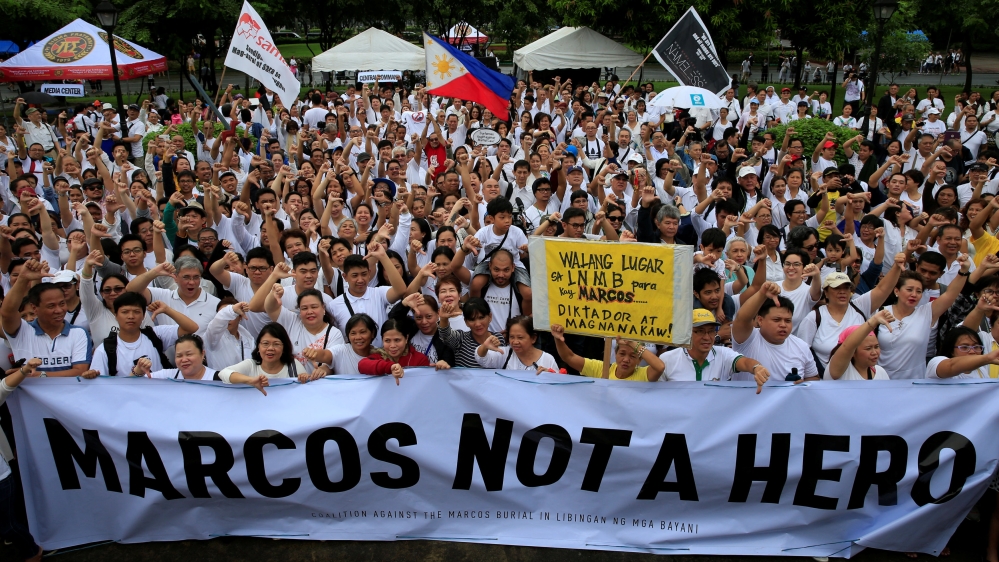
{"points": [[637, 291]]}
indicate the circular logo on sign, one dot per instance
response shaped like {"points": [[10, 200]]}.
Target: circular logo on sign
{"points": [[122, 46], [68, 47], [486, 137]]}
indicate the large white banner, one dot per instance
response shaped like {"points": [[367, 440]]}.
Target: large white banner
{"points": [[815, 469], [253, 51]]}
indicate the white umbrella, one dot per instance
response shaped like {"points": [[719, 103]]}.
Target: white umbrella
{"points": [[687, 97]]}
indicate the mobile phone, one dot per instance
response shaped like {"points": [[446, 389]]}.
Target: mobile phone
{"points": [[19, 363]]}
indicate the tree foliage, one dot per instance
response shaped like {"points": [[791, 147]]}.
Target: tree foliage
{"points": [[824, 29], [23, 21]]}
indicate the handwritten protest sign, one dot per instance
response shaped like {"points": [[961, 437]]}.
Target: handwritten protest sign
{"points": [[638, 291]]}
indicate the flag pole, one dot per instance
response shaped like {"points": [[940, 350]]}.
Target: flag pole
{"points": [[218, 92], [637, 68]]}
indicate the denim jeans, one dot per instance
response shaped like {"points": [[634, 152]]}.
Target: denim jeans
{"points": [[13, 527]]}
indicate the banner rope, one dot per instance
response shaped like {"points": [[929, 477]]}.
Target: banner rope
{"points": [[550, 383], [851, 541]]}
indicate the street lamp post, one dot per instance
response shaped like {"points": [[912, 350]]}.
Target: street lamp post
{"points": [[107, 14], [883, 10]]}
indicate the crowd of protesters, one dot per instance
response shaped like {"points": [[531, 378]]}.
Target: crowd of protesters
{"points": [[364, 231]]}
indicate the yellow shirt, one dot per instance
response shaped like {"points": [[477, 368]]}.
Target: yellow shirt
{"points": [[984, 245], [595, 369]]}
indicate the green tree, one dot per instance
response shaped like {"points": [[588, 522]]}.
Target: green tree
{"points": [[901, 52], [825, 29], [963, 23], [23, 21], [642, 23], [519, 21]]}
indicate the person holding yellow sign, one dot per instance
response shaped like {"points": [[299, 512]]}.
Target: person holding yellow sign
{"points": [[629, 355]]}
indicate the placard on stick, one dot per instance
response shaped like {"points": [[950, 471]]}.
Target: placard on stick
{"points": [[637, 291]]}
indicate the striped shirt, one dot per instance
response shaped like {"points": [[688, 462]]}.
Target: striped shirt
{"points": [[464, 346]]}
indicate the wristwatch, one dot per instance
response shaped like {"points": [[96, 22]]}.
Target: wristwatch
{"points": [[42, 374]]}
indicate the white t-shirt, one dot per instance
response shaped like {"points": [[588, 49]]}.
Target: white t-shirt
{"points": [[680, 366], [251, 368], [503, 304], [852, 374], [925, 104], [824, 338], [778, 359], [803, 303], [175, 374], [903, 349], [490, 240], [494, 360], [931, 370], [374, 303], [415, 122], [240, 288], [345, 360], [130, 353], [301, 338], [935, 128]]}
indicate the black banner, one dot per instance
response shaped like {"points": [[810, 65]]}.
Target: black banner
{"points": [[688, 53]]}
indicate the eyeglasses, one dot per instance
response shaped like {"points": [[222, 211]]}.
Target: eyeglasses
{"points": [[209, 239], [544, 189], [131, 251], [258, 268], [271, 345], [575, 224], [810, 247], [615, 218], [196, 278], [988, 292], [112, 290], [793, 264], [972, 348]]}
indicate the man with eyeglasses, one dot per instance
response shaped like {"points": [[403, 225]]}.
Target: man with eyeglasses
{"points": [[259, 265], [574, 225], [705, 361], [544, 203], [189, 298]]}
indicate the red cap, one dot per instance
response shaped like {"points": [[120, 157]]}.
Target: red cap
{"points": [[829, 144], [788, 90]]}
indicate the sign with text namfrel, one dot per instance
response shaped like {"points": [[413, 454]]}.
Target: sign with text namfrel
{"points": [[509, 458], [637, 291]]}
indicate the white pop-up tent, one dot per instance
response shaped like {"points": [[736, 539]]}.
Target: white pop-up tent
{"points": [[465, 33], [80, 51], [372, 49], [574, 47]]}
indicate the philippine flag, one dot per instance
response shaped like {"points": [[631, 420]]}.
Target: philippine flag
{"points": [[454, 74]]}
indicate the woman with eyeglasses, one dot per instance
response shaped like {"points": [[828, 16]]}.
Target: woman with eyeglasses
{"points": [[272, 357], [100, 309], [960, 356]]}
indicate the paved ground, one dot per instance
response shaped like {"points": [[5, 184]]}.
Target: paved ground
{"points": [[965, 546]]}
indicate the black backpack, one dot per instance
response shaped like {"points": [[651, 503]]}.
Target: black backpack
{"points": [[111, 349]]}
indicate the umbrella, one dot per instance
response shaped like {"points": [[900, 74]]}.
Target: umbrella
{"points": [[38, 98], [687, 97]]}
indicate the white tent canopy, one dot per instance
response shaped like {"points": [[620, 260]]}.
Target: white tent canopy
{"points": [[574, 47], [372, 49], [465, 33], [79, 51]]}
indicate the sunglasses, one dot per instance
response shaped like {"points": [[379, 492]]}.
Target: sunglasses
{"points": [[615, 219]]}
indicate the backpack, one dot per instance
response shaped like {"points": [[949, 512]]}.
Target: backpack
{"points": [[111, 349], [818, 322]]}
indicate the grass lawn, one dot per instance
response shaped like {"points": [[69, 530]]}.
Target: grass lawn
{"points": [[299, 50]]}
